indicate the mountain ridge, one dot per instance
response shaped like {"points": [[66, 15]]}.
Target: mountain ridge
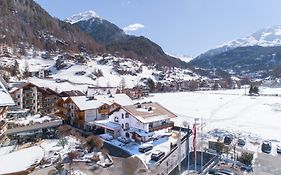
{"points": [[118, 42]]}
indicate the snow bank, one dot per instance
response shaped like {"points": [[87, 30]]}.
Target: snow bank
{"points": [[20, 160]]}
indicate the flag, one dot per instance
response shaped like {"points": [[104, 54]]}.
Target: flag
{"points": [[179, 149], [187, 149]]}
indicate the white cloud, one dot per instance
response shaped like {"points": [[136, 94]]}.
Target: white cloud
{"points": [[133, 27]]}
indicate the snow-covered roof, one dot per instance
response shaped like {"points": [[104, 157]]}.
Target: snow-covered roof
{"points": [[84, 103], [149, 112], [20, 160], [5, 98], [106, 124]]}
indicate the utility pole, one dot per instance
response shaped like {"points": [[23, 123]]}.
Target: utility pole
{"points": [[194, 143], [187, 149], [179, 149], [202, 151]]}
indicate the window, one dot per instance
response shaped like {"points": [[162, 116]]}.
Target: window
{"points": [[18, 103], [127, 126], [127, 115], [150, 125], [122, 126], [116, 119], [122, 116]]}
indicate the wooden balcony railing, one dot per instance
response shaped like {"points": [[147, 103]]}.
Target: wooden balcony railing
{"points": [[3, 125], [104, 111], [62, 109], [167, 125]]}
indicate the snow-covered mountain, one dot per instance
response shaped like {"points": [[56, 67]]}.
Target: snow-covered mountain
{"points": [[83, 16], [117, 41], [258, 55], [266, 37], [185, 58]]}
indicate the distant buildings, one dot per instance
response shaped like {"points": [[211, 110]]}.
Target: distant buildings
{"points": [[5, 50], [101, 90], [71, 93], [5, 101], [42, 73]]}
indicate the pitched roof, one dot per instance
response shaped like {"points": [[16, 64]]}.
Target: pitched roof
{"points": [[84, 103], [5, 98], [149, 112]]}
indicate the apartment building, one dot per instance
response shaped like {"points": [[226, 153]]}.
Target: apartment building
{"points": [[35, 99], [5, 101]]}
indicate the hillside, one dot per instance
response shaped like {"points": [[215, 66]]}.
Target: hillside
{"points": [[117, 42], [255, 60], [25, 24]]}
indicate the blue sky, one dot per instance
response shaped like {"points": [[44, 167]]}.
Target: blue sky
{"points": [[181, 27]]}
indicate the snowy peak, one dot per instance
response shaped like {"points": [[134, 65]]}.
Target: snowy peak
{"points": [[267, 37], [83, 16]]}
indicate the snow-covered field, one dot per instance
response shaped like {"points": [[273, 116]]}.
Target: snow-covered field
{"points": [[258, 116]]}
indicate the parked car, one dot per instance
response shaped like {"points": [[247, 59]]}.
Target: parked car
{"points": [[228, 139], [241, 142], [157, 155], [145, 147], [279, 149], [221, 172], [106, 137], [266, 147], [124, 140]]}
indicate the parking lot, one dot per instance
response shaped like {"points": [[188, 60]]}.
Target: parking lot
{"points": [[266, 164]]}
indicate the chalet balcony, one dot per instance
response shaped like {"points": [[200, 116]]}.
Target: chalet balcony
{"points": [[104, 111], [3, 125], [62, 109], [62, 116], [167, 125], [80, 114]]}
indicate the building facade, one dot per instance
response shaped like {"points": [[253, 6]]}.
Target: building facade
{"points": [[34, 98], [5, 101], [139, 122], [83, 111]]}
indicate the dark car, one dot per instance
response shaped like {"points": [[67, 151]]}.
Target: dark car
{"points": [[221, 171], [157, 155], [228, 139], [266, 147], [145, 147], [279, 149], [241, 142]]}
